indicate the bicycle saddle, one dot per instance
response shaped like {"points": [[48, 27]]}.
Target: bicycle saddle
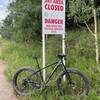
{"points": [[61, 55]]}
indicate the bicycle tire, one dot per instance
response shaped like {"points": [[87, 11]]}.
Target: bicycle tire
{"points": [[19, 87], [68, 92]]}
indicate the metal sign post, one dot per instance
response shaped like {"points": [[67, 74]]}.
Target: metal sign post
{"points": [[53, 22], [43, 55], [63, 46]]}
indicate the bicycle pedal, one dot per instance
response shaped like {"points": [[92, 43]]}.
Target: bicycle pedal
{"points": [[36, 86]]}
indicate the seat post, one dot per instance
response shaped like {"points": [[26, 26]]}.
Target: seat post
{"points": [[39, 68], [37, 61]]}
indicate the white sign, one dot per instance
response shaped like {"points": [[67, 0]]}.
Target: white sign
{"points": [[53, 16]]}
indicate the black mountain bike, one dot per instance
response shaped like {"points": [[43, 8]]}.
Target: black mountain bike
{"points": [[26, 80]]}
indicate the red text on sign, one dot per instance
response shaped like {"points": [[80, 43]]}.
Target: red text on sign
{"points": [[54, 7], [54, 1], [53, 21]]}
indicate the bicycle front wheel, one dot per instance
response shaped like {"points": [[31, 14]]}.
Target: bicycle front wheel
{"points": [[26, 81], [79, 86]]}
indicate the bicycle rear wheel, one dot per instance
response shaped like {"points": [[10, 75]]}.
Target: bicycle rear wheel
{"points": [[25, 81], [79, 86]]}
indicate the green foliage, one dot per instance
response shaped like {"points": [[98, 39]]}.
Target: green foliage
{"points": [[25, 20], [23, 24], [18, 55], [79, 55], [80, 10], [6, 29], [80, 44]]}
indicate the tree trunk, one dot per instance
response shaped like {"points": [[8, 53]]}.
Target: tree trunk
{"points": [[96, 36]]}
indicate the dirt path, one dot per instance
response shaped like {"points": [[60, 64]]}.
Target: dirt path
{"points": [[6, 91]]}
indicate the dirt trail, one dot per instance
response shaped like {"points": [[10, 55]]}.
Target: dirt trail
{"points": [[6, 91]]}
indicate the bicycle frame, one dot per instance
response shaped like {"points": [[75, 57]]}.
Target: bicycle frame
{"points": [[56, 64]]}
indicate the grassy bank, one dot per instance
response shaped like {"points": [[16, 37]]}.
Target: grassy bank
{"points": [[80, 53]]}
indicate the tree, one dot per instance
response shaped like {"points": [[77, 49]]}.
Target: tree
{"points": [[95, 30], [82, 11], [6, 28], [26, 14]]}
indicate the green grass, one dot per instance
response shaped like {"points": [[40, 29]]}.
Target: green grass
{"points": [[80, 55]]}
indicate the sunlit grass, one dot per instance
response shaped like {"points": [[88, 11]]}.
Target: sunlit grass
{"points": [[17, 55]]}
